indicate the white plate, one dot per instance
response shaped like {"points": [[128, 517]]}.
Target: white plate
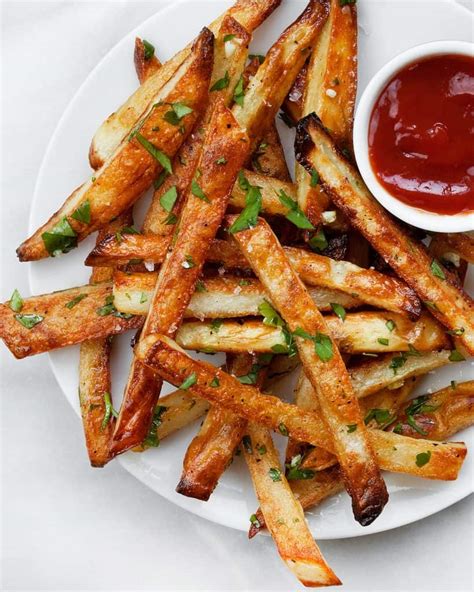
{"points": [[386, 28]]}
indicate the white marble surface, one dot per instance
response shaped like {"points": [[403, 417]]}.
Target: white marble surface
{"points": [[68, 527]]}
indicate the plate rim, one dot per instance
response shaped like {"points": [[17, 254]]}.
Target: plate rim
{"points": [[449, 498]]}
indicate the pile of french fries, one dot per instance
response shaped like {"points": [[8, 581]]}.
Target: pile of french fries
{"points": [[309, 276]]}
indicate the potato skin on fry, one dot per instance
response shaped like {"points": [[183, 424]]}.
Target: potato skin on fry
{"points": [[145, 68], [131, 169]]}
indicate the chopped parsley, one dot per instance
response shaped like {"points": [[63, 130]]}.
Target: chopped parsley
{"points": [[200, 286], [221, 161], [239, 94], [261, 449], [198, 192], [16, 301], [254, 521], [456, 356], [270, 315], [189, 382], [215, 382], [222, 83], [390, 325], [152, 436], [157, 154], [318, 242], [109, 309], [29, 320], [229, 37], [294, 472], [143, 298], [322, 344], [83, 213], [275, 474], [383, 417], [351, 428], [339, 310], [383, 341], [216, 325], [437, 270], [251, 377], [72, 303], [295, 215], [423, 458], [168, 199], [314, 178], [176, 114], [283, 429], [158, 182], [253, 204], [149, 49], [61, 239]]}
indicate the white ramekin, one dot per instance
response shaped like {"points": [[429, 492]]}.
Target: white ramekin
{"points": [[415, 216]]}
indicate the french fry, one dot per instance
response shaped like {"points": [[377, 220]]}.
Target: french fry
{"points": [[145, 66], [323, 366], [132, 168], [202, 215], [359, 333], [367, 285], [249, 13], [269, 87], [283, 514], [63, 318], [438, 416], [379, 410], [330, 91], [445, 413], [447, 302], [293, 104], [229, 62], [216, 298], [61, 327], [95, 391], [212, 449], [453, 247], [393, 452]]}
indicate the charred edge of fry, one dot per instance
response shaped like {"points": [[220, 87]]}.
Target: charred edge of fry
{"points": [[144, 67]]}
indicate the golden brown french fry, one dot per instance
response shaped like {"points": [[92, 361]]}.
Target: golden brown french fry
{"points": [[132, 168], [330, 91], [379, 410], [439, 415], [95, 392], [436, 287], [63, 318], [229, 62], [269, 87], [359, 333], [293, 104], [394, 452], [283, 514], [145, 65], [249, 13], [202, 215], [367, 285], [212, 449], [443, 414], [323, 366], [269, 157], [391, 371], [218, 297], [453, 247]]}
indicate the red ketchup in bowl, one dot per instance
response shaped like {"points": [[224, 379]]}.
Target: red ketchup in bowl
{"points": [[421, 135]]}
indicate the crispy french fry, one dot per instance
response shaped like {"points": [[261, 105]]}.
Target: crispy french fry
{"points": [[323, 366], [445, 413], [383, 406], [145, 66], [393, 452], [229, 62], [283, 514], [219, 297], [132, 168], [360, 333], [61, 322], [367, 285], [202, 215], [212, 449], [249, 13], [330, 91], [95, 391], [293, 104], [447, 302], [453, 247], [438, 416], [269, 87]]}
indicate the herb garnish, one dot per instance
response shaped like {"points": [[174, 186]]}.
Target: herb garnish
{"points": [[109, 411], [16, 301], [189, 382], [314, 178], [83, 213], [168, 199], [436, 270], [215, 382], [295, 215], [423, 458], [29, 320], [72, 303], [178, 111], [339, 310], [295, 473], [155, 152], [152, 436], [239, 94], [253, 204], [322, 344], [149, 49], [198, 192], [251, 377], [61, 239], [275, 474], [221, 83], [318, 242]]}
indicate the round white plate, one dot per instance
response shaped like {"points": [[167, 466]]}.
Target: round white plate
{"points": [[386, 28]]}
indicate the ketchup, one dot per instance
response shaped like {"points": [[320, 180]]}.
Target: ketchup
{"points": [[421, 135]]}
